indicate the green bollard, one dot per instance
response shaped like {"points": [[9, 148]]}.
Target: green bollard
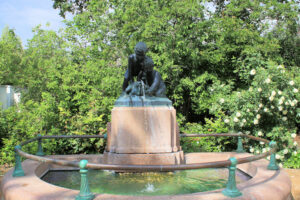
{"points": [[84, 193], [40, 148], [240, 148], [18, 171], [231, 189], [273, 165], [105, 136]]}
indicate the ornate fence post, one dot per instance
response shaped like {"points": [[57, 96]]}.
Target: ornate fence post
{"points": [[84, 193], [231, 189], [18, 171], [240, 148], [40, 147], [273, 165]]}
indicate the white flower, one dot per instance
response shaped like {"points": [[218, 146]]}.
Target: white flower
{"points": [[292, 104], [271, 98], [286, 103], [282, 98], [268, 80], [280, 108], [295, 152], [250, 89], [235, 119], [273, 93], [268, 157], [291, 82], [266, 110], [197, 142], [295, 101], [258, 116], [277, 156], [259, 133], [248, 110], [280, 101], [222, 100], [293, 135], [285, 151], [247, 132], [284, 112], [279, 92], [280, 165], [295, 143], [238, 114], [260, 105], [255, 121], [259, 89], [257, 151], [226, 121], [244, 121], [251, 150], [295, 90], [272, 107], [264, 150], [284, 118], [241, 124], [262, 143], [253, 72], [280, 67]]}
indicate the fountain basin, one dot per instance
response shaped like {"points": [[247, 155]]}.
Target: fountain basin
{"points": [[264, 184], [146, 183]]}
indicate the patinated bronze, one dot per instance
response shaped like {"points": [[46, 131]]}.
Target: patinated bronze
{"points": [[142, 86]]}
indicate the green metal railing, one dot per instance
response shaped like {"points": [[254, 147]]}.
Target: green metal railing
{"points": [[231, 190]]}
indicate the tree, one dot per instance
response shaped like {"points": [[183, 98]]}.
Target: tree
{"points": [[72, 6], [11, 52]]}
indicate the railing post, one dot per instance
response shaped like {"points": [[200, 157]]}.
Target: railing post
{"points": [[18, 171], [40, 147], [231, 189], [240, 148], [273, 165], [84, 193]]}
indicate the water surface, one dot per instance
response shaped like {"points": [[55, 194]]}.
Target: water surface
{"points": [[146, 184]]}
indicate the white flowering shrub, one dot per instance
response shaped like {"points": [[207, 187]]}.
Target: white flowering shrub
{"points": [[268, 107]]}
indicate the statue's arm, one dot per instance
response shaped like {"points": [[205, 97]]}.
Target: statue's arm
{"points": [[130, 68], [156, 82]]}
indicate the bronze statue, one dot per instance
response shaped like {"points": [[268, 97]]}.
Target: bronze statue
{"points": [[135, 64], [149, 81], [142, 86]]}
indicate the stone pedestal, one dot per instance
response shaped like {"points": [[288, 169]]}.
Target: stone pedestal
{"points": [[143, 135]]}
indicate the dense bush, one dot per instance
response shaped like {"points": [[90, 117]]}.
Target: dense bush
{"points": [[225, 70]]}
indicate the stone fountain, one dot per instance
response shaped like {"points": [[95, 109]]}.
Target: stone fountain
{"points": [[143, 132]]}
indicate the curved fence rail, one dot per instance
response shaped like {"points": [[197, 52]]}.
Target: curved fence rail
{"points": [[84, 165]]}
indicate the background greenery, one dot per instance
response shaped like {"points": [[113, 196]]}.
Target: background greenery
{"points": [[235, 68]]}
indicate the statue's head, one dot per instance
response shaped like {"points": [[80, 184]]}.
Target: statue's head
{"points": [[140, 51], [149, 65]]}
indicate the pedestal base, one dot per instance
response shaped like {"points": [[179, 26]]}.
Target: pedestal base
{"points": [[173, 158]]}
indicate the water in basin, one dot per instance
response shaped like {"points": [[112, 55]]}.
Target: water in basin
{"points": [[148, 183]]}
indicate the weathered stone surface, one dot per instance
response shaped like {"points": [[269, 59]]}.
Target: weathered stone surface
{"points": [[144, 159], [143, 130]]}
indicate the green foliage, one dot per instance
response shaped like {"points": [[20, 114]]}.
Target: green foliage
{"points": [[223, 71], [269, 108], [206, 144], [11, 52], [293, 161]]}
